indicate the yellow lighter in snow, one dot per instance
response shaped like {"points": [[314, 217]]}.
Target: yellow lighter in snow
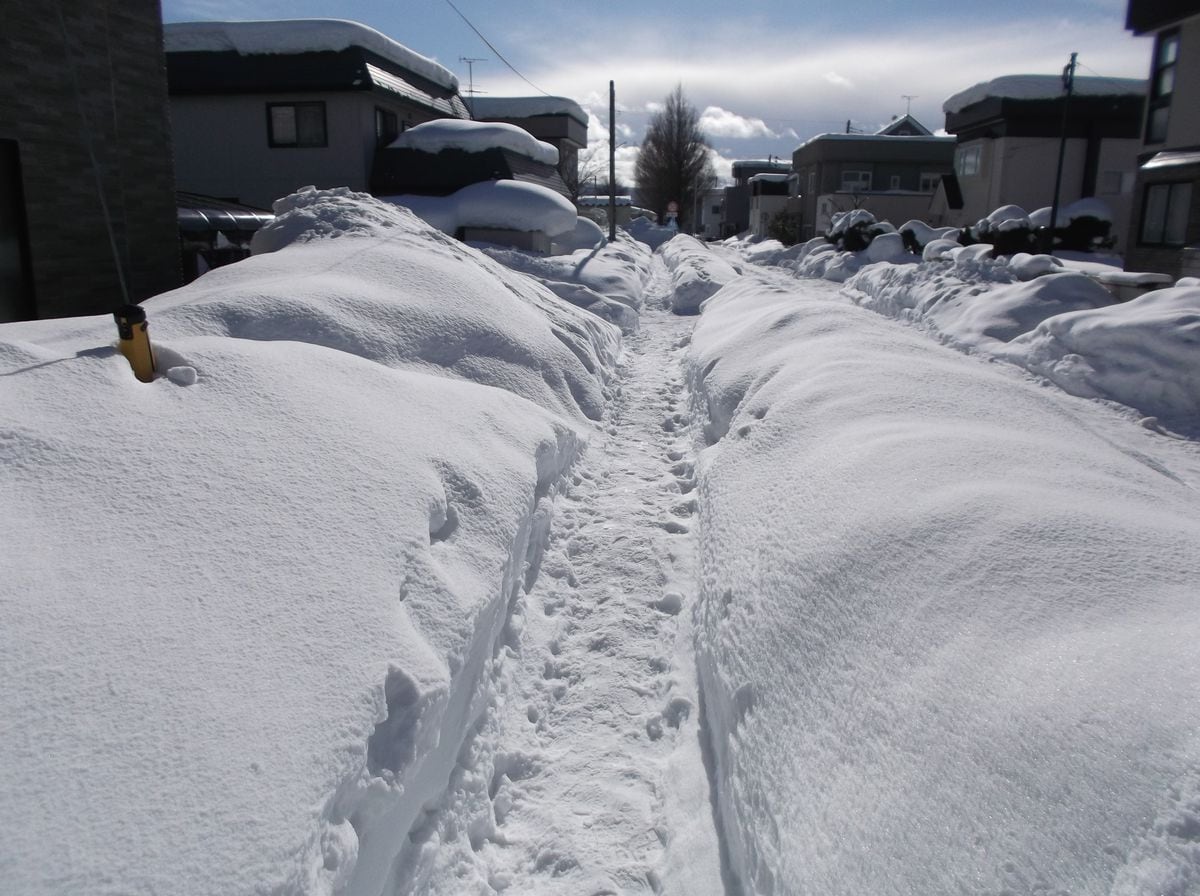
{"points": [[135, 340]]}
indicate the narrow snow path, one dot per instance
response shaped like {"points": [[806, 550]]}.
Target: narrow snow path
{"points": [[586, 776]]}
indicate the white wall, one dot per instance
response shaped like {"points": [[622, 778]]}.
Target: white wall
{"points": [[221, 146]]}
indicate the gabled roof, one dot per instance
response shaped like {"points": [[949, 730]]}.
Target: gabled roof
{"points": [[907, 126]]}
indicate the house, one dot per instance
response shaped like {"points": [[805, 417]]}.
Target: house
{"points": [[711, 213], [769, 195], [1165, 224], [892, 173], [556, 120], [260, 109], [85, 160], [1009, 131], [736, 205]]}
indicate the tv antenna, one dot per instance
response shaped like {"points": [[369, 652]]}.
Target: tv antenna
{"points": [[471, 91], [908, 98]]}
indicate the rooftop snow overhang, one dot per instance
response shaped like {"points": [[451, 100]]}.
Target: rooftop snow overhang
{"points": [[451, 105], [1161, 160]]}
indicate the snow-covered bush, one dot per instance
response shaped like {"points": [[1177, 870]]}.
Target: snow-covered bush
{"points": [[851, 231]]}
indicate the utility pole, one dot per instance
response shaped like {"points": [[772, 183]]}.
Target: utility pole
{"points": [[1068, 86], [470, 61], [612, 160]]}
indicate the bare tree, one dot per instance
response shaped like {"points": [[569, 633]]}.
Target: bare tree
{"points": [[582, 179], [673, 164]]}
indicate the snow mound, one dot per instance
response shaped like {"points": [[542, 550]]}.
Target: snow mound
{"points": [[696, 273], [618, 271], [646, 231], [586, 235], [444, 320], [924, 672], [1026, 267], [252, 607], [499, 204], [1062, 325], [475, 136], [1144, 354]]}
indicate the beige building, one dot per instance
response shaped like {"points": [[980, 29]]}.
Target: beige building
{"points": [[1165, 220], [1009, 131]]}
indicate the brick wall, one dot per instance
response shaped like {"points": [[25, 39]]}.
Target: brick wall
{"points": [[117, 49]]}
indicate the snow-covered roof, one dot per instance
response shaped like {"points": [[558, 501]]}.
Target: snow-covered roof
{"points": [[285, 36], [603, 200], [1040, 87], [888, 138], [475, 136], [770, 178], [896, 124], [526, 107]]}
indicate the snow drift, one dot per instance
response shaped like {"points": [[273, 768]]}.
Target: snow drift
{"points": [[264, 591], [946, 639]]}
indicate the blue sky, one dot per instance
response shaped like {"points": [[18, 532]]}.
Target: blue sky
{"points": [[767, 74]]}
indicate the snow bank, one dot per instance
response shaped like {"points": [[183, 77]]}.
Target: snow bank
{"points": [[947, 630], [475, 136], [696, 273], [299, 36], [608, 281], [500, 204], [646, 231], [1144, 354], [251, 607], [1062, 325]]}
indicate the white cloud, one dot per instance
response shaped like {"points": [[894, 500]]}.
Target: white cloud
{"points": [[837, 80], [718, 122]]}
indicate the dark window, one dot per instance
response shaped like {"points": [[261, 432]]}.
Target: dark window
{"points": [[296, 124], [1162, 86], [1165, 214], [387, 126]]}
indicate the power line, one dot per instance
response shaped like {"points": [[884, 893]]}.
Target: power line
{"points": [[499, 55]]}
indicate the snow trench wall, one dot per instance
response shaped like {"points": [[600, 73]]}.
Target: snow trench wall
{"points": [[945, 636]]}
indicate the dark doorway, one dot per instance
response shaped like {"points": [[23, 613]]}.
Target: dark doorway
{"points": [[16, 285]]}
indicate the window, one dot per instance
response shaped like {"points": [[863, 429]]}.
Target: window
{"points": [[929, 181], [716, 209], [1165, 214], [387, 126], [895, 182], [966, 161], [856, 181], [1162, 86], [812, 183], [296, 124]]}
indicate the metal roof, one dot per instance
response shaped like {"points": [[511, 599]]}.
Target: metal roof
{"points": [[452, 105]]}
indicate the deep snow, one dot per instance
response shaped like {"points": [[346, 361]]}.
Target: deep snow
{"points": [[409, 576]]}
